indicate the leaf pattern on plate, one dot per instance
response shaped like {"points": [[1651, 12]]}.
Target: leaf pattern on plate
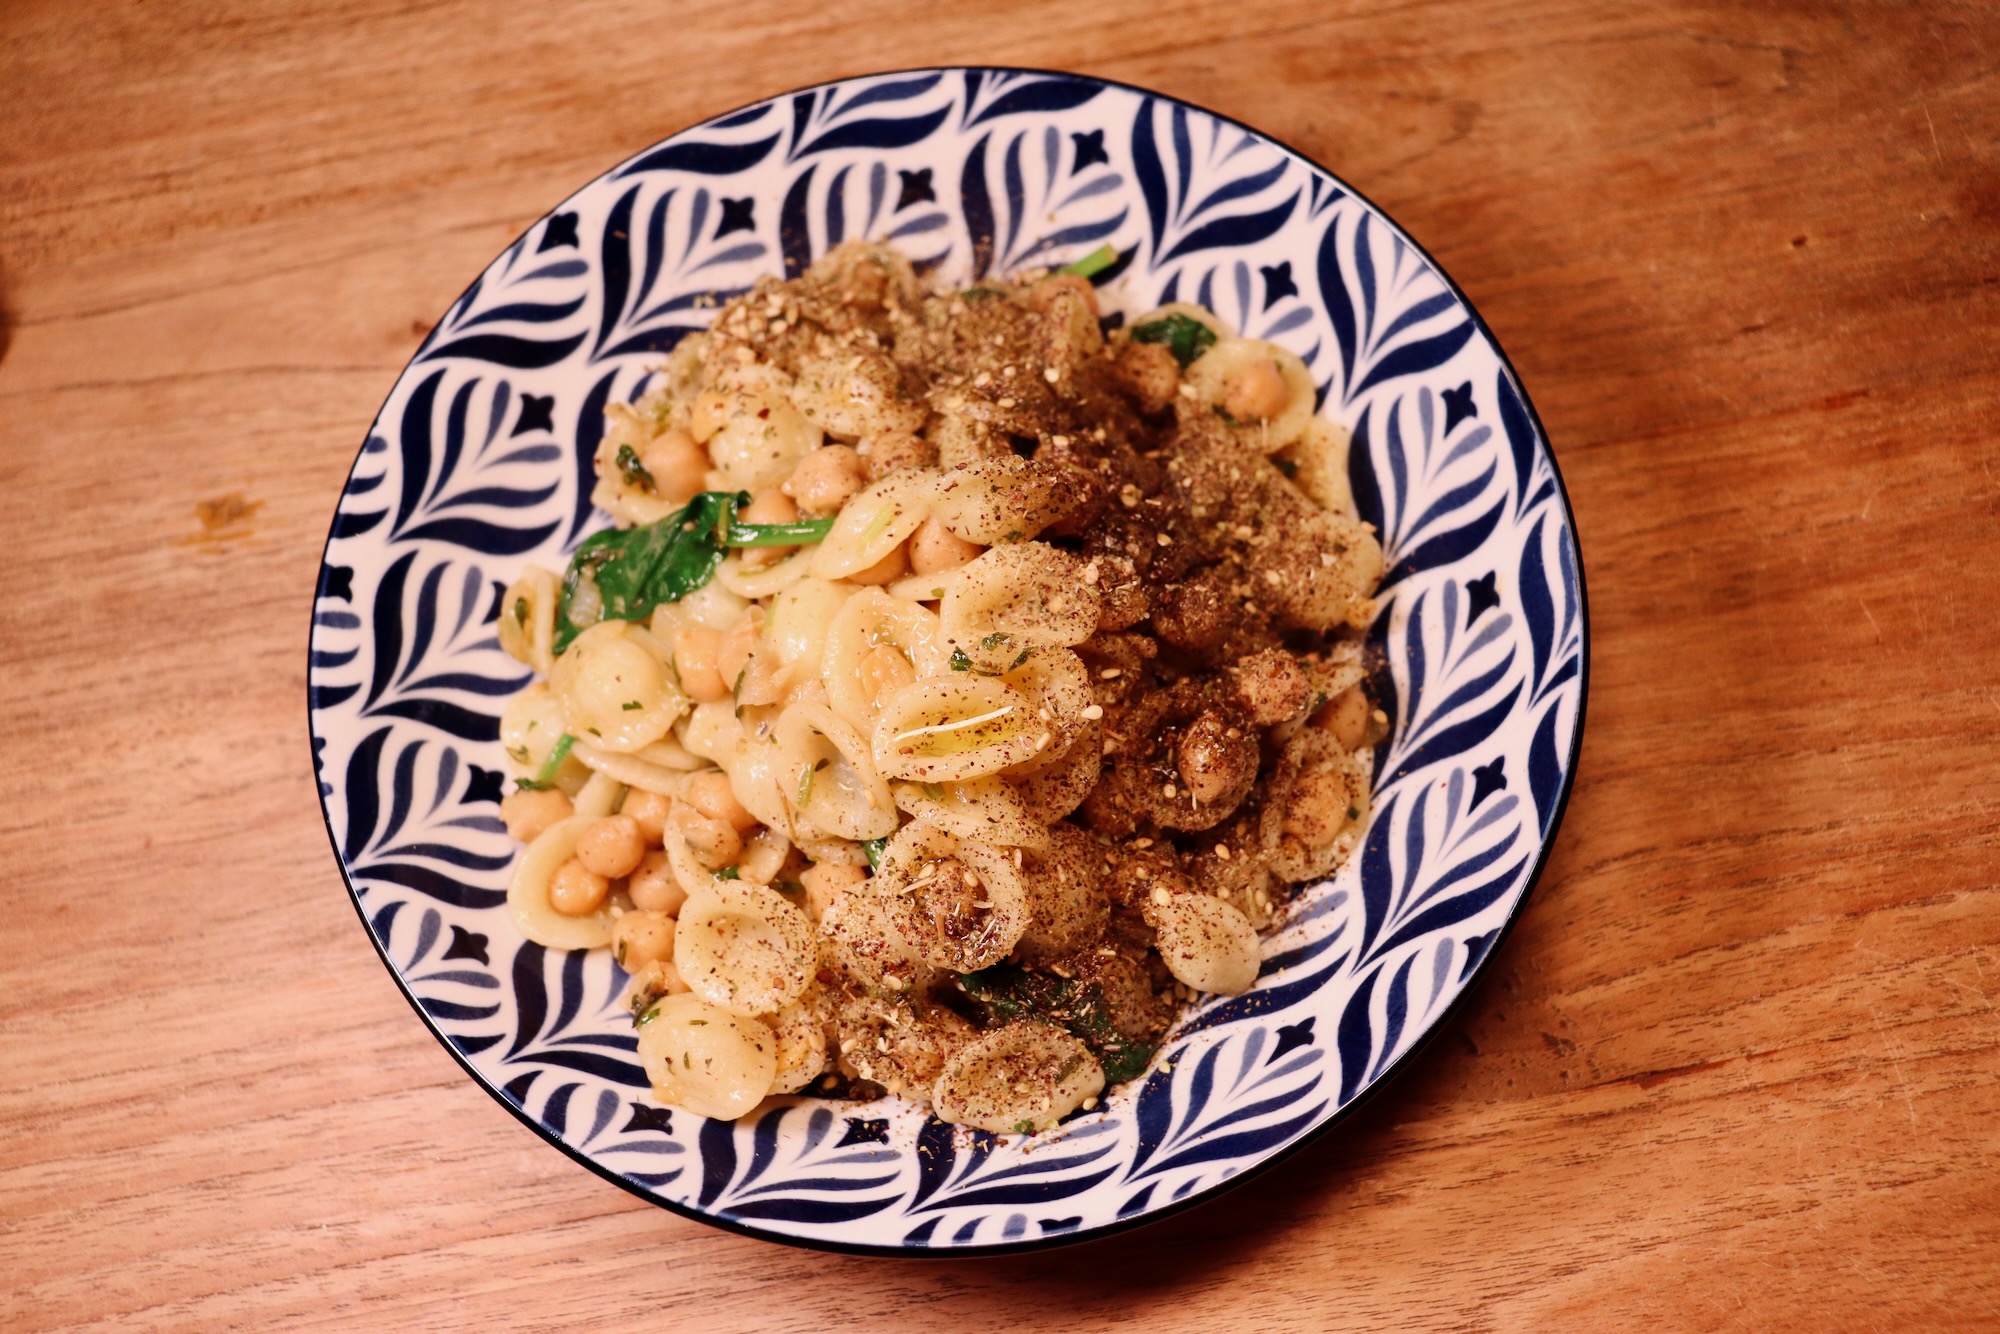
{"points": [[480, 462]]}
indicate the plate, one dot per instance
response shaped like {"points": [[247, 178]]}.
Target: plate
{"points": [[479, 462]]}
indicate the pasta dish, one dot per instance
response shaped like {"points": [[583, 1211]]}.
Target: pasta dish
{"points": [[964, 683]]}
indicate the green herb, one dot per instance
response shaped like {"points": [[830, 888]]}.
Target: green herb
{"points": [[633, 471], [937, 592], [631, 704], [1223, 413], [637, 569], [872, 849], [1289, 467], [935, 791], [806, 773], [980, 293], [1024, 1127], [1007, 992], [1353, 813], [1026, 654], [791, 888], [959, 661], [697, 1023], [545, 777], [1185, 338], [729, 873], [996, 640], [778, 534], [647, 1016], [1068, 1068], [1094, 263], [521, 612]]}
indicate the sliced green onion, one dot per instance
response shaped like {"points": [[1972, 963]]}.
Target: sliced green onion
{"points": [[1094, 263]]}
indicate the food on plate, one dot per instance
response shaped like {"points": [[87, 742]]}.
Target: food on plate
{"points": [[964, 682]]}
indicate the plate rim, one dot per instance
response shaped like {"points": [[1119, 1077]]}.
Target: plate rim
{"points": [[1453, 1009]]}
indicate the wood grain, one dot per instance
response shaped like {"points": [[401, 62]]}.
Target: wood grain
{"points": [[1739, 1068]]}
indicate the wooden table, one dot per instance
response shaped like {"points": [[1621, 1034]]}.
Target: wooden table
{"points": [[1739, 1067]]}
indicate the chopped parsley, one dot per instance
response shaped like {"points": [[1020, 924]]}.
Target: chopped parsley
{"points": [[872, 849], [633, 471], [1185, 338]]}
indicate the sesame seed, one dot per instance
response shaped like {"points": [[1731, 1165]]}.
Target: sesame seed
{"points": [[1167, 790], [1163, 539], [1090, 1103], [1052, 375], [1273, 578], [1059, 441], [1093, 712], [1006, 402], [1326, 559], [982, 379], [1110, 674], [1222, 851], [1161, 897], [1188, 391], [1142, 843], [1090, 573]]}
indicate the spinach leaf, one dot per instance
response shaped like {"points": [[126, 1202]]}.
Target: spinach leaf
{"points": [[1008, 992], [872, 849], [637, 569], [1185, 338]]}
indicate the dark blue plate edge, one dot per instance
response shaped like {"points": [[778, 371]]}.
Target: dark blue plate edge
{"points": [[1116, 1227]]}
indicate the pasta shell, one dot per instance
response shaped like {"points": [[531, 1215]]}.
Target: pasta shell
{"points": [[705, 1059], [953, 727], [868, 621], [1017, 1080], [875, 523], [744, 947], [613, 691], [836, 789], [1015, 599], [1206, 943], [955, 903], [528, 892]]}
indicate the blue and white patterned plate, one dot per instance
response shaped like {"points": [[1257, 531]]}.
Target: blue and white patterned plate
{"points": [[480, 462]]}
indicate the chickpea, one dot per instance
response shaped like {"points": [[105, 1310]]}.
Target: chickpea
{"points": [[715, 843], [1042, 295], [527, 812], [1347, 715], [696, 652], [611, 847], [576, 890], [1150, 373], [679, 466], [882, 670], [770, 505], [706, 417], [653, 887], [824, 880], [649, 810], [934, 548], [894, 452], [1257, 393], [732, 655], [826, 479], [887, 570], [1318, 808], [640, 938], [711, 794]]}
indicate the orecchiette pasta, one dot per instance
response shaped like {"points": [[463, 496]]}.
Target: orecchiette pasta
{"points": [[1022, 1078], [965, 683], [528, 892], [612, 689], [707, 1059]]}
